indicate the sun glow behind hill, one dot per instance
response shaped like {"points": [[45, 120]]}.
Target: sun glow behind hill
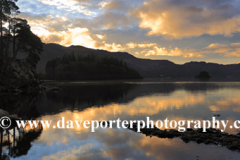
{"points": [[128, 25]]}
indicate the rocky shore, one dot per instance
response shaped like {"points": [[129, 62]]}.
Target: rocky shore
{"points": [[212, 136], [28, 90], [20, 77]]}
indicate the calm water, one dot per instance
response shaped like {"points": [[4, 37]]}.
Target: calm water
{"points": [[128, 101]]}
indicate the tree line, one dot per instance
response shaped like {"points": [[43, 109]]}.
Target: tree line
{"points": [[90, 67], [16, 37]]}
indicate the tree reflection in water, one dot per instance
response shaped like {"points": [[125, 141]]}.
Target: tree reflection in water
{"points": [[18, 141]]}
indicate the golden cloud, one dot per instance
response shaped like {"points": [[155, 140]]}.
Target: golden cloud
{"points": [[162, 51], [132, 45], [76, 36], [231, 50], [186, 20]]}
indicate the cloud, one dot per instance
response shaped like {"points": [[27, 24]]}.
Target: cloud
{"points": [[121, 6], [112, 47], [110, 20], [185, 18], [153, 49], [141, 45], [76, 36], [52, 38], [231, 50], [115, 14], [162, 51], [69, 5], [47, 22]]}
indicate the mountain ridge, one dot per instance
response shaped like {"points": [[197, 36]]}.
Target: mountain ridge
{"points": [[146, 67]]}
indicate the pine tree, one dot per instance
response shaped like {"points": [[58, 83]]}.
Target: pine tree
{"points": [[7, 8]]}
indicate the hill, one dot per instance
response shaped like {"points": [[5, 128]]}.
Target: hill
{"points": [[146, 67]]}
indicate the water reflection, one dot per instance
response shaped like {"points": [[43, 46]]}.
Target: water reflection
{"points": [[129, 101], [17, 141]]}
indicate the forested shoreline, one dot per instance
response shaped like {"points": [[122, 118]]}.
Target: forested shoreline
{"points": [[90, 67]]}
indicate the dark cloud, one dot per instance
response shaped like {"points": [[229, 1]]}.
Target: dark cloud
{"points": [[110, 20], [121, 6]]}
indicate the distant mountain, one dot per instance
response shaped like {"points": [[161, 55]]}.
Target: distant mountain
{"points": [[146, 67]]}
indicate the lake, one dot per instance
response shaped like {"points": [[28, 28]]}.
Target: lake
{"points": [[127, 100]]}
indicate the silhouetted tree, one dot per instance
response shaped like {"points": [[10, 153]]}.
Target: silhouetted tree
{"points": [[7, 8], [17, 33]]}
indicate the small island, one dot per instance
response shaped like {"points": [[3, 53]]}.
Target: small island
{"points": [[203, 75]]}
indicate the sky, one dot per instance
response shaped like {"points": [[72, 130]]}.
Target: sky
{"points": [[177, 30]]}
